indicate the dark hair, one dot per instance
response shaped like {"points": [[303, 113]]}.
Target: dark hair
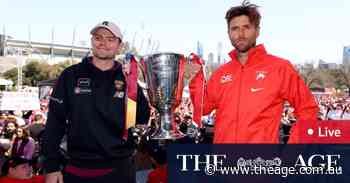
{"points": [[8, 134], [246, 8], [25, 132], [12, 162], [38, 117], [18, 148]]}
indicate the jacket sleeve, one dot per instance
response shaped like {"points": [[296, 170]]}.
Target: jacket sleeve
{"points": [[29, 148], [55, 126], [299, 96]]}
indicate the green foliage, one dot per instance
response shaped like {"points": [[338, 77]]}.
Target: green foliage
{"points": [[36, 71], [11, 75], [342, 77]]}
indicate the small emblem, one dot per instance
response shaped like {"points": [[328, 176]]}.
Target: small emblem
{"points": [[226, 78], [119, 94], [77, 90], [260, 75], [256, 89]]}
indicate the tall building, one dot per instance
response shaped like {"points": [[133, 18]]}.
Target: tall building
{"points": [[199, 49], [211, 58], [2, 45], [346, 55], [220, 59], [325, 65]]}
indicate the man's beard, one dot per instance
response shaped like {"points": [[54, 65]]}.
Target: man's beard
{"points": [[245, 48], [108, 57], [103, 56]]}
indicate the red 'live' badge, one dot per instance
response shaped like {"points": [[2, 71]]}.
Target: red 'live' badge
{"points": [[324, 132]]}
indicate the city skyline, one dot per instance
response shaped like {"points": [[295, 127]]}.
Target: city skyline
{"points": [[296, 30], [346, 55]]}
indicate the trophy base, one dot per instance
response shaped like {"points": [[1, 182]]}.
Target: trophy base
{"points": [[167, 135]]}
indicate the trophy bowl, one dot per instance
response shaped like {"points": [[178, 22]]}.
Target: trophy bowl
{"points": [[164, 78]]}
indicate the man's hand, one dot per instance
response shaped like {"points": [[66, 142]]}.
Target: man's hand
{"points": [[54, 177], [191, 69], [126, 68]]}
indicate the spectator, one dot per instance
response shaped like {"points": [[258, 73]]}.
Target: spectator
{"points": [[159, 160], [335, 113], [37, 126], [19, 170], [9, 129], [19, 119], [346, 114], [23, 145]]}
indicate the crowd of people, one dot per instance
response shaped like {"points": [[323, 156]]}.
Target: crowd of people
{"points": [[20, 141], [334, 108], [22, 136]]}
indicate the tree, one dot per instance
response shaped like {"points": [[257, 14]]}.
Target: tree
{"points": [[56, 69], [36, 71], [11, 75], [342, 77], [311, 76]]}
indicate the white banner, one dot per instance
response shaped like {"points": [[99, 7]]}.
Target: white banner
{"points": [[19, 101]]}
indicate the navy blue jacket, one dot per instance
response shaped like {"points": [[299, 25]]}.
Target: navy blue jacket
{"points": [[87, 106]]}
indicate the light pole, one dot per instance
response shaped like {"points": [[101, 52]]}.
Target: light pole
{"points": [[20, 61]]}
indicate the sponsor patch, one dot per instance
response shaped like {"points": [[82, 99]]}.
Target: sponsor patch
{"points": [[226, 78], [78, 90], [83, 86], [119, 94], [84, 82]]}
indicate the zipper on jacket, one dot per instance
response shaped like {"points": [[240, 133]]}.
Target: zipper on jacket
{"points": [[238, 100]]}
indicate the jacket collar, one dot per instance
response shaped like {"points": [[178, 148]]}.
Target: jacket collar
{"points": [[254, 55]]}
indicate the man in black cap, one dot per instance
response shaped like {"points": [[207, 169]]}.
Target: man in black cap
{"points": [[88, 104], [19, 170]]}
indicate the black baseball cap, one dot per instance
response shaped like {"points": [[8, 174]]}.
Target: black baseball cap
{"points": [[13, 162]]}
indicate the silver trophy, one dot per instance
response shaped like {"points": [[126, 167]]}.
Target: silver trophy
{"points": [[162, 74]]}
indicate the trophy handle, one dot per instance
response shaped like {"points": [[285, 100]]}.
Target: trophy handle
{"points": [[180, 81]]}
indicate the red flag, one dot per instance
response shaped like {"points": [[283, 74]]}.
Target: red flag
{"points": [[197, 99], [132, 79], [130, 103], [180, 83]]}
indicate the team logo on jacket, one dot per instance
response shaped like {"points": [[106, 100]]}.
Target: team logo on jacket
{"points": [[226, 78], [119, 85], [119, 89], [119, 94], [260, 75]]}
